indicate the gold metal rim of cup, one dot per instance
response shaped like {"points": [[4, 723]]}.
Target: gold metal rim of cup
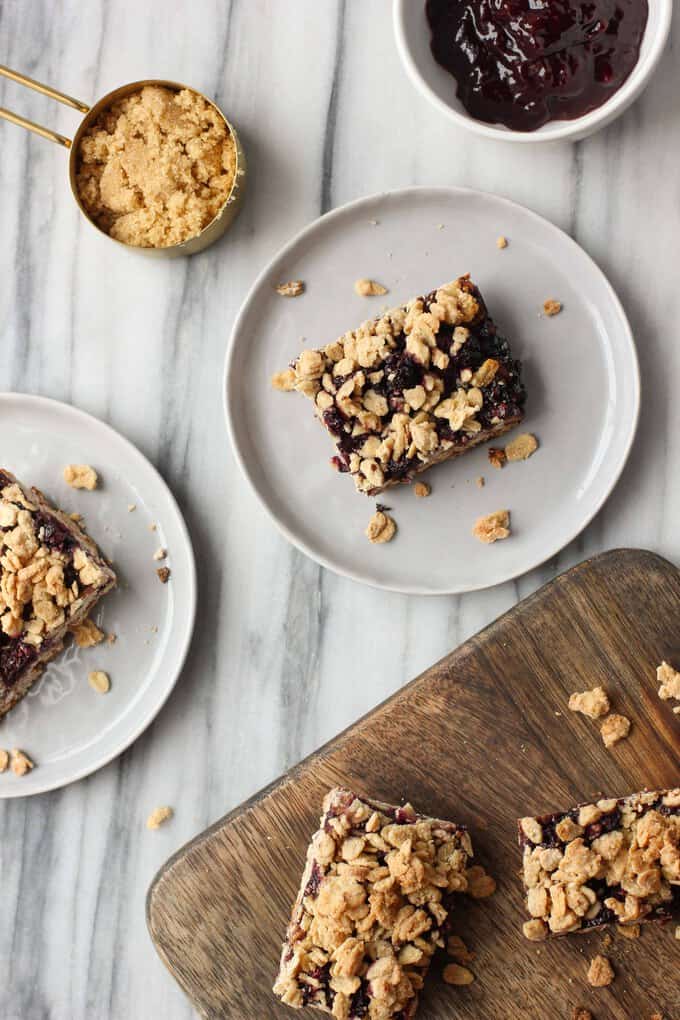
{"points": [[223, 219]]}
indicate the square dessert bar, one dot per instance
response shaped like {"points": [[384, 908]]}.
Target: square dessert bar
{"points": [[614, 860], [423, 383], [51, 576], [374, 898]]}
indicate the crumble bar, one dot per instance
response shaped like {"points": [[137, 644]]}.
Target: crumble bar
{"points": [[372, 905], [611, 861], [51, 576], [421, 384]]}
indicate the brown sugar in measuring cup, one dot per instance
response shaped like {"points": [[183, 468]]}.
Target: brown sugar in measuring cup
{"points": [[154, 165]]}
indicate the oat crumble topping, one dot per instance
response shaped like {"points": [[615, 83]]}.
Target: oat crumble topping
{"points": [[669, 680], [493, 527], [21, 763], [156, 167], [284, 380], [593, 703], [628, 931], [522, 447], [420, 384], [609, 861], [381, 528], [614, 728], [369, 288], [81, 476], [158, 816], [291, 289], [502, 242], [373, 901], [422, 489], [552, 307], [87, 634], [600, 972], [99, 681]]}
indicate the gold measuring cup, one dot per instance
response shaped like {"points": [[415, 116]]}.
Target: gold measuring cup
{"points": [[210, 232]]}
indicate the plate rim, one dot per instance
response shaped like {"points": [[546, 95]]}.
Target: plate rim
{"points": [[191, 586], [228, 382]]}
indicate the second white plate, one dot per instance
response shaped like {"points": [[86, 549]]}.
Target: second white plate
{"points": [[580, 369], [68, 729]]}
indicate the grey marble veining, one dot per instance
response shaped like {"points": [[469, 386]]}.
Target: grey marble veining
{"points": [[326, 114]]}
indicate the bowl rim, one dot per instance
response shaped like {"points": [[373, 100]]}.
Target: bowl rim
{"points": [[556, 130]]}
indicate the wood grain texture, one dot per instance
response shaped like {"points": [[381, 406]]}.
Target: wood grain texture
{"points": [[482, 737]]}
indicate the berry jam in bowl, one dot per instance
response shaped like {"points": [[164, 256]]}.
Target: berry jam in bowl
{"points": [[522, 71]]}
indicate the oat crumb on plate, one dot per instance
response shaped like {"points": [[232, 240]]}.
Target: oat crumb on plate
{"points": [[369, 288], [496, 456], [21, 763], [4, 760], [381, 528], [600, 972], [284, 381], [493, 527], [87, 634], [502, 242], [163, 574], [422, 489], [522, 447], [160, 553], [669, 680], [132, 507], [455, 974], [552, 307], [291, 289], [111, 639], [614, 728], [81, 476], [480, 482], [99, 681], [593, 703], [158, 816]]}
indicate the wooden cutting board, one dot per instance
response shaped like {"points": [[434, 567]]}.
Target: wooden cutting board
{"points": [[482, 737]]}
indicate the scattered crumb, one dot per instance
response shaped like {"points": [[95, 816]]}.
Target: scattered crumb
{"points": [[87, 634], [160, 553], [669, 679], [21, 763], [480, 885], [581, 1014], [454, 974], [480, 483], [493, 527], [111, 639], [291, 289], [521, 447], [593, 703], [496, 456], [381, 528], [163, 574], [628, 931], [422, 489], [153, 527], [80, 476], [132, 507], [552, 307], [502, 242], [158, 816], [534, 930], [614, 728], [600, 972], [76, 517], [458, 951], [4, 760], [440, 226], [369, 288], [99, 681], [374, 223], [284, 380]]}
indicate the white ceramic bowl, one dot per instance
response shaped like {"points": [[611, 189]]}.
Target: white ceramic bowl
{"points": [[413, 42]]}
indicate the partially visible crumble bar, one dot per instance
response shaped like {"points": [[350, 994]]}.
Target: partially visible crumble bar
{"points": [[600, 863], [371, 910], [421, 384]]}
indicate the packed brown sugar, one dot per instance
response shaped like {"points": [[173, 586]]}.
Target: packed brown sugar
{"points": [[156, 167]]}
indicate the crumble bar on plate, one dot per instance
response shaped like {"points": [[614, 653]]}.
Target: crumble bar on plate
{"points": [[421, 384], [610, 861], [51, 577], [374, 899]]}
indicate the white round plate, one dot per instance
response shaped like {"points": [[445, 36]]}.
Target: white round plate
{"points": [[67, 728], [580, 369]]}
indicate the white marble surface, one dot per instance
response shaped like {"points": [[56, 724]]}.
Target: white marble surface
{"points": [[285, 654]]}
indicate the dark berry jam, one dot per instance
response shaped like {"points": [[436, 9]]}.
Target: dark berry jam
{"points": [[53, 534], [14, 657], [523, 63]]}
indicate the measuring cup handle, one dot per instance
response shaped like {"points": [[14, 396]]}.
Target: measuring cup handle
{"points": [[13, 118]]}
